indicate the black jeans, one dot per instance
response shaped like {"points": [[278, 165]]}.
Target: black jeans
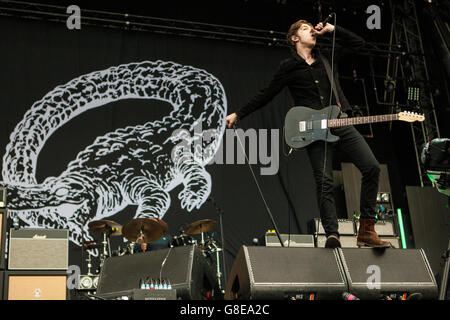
{"points": [[353, 144]]}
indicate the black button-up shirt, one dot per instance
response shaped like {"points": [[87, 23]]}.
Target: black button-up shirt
{"points": [[308, 84]]}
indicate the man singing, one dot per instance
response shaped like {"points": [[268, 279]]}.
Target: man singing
{"points": [[306, 77]]}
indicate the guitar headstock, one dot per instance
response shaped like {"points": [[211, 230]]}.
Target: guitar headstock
{"points": [[410, 116]]}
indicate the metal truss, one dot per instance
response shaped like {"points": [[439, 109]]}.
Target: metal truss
{"points": [[143, 23], [169, 26], [406, 36]]}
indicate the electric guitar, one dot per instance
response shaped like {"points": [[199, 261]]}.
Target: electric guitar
{"points": [[304, 125]]}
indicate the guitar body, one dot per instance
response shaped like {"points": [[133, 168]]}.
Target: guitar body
{"points": [[304, 126]]}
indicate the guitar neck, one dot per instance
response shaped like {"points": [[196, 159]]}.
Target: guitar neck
{"points": [[361, 120]]}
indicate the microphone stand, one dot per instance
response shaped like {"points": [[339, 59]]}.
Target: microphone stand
{"points": [[222, 238], [259, 190]]}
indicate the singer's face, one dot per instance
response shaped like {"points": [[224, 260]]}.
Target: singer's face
{"points": [[305, 35]]}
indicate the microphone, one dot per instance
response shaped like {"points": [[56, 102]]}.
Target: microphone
{"points": [[349, 296], [324, 22], [327, 18]]}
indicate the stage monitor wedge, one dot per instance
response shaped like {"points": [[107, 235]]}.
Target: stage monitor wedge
{"points": [[185, 267], [375, 273], [281, 273]]}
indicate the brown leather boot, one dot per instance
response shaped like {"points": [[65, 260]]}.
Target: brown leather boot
{"points": [[368, 237]]}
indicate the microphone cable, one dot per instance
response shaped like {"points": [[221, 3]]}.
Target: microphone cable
{"points": [[259, 188], [329, 116]]}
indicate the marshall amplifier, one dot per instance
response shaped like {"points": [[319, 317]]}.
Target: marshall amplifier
{"points": [[38, 249], [2, 197], [345, 227], [2, 274], [35, 285], [3, 217]]}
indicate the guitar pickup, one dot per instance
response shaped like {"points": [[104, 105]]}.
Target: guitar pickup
{"points": [[305, 125], [302, 126]]}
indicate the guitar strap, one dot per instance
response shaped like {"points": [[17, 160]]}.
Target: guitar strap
{"points": [[332, 83]]}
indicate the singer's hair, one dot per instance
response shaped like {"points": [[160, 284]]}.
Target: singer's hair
{"points": [[293, 30]]}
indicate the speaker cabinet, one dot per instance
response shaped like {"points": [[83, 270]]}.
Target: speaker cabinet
{"points": [[185, 267], [372, 273], [3, 217], [38, 249], [284, 273], [429, 213], [2, 275], [35, 285]]}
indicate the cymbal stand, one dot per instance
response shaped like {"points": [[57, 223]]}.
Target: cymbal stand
{"points": [[131, 247], [220, 213], [218, 272], [203, 238], [106, 249], [89, 264]]}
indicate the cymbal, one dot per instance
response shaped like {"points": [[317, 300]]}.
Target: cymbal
{"points": [[106, 226], [200, 226], [151, 229]]}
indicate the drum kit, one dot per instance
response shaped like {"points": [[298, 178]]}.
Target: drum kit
{"points": [[142, 231]]}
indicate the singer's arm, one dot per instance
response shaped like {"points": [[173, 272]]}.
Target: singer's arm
{"points": [[344, 37], [265, 95], [349, 39]]}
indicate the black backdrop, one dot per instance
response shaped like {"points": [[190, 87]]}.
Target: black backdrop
{"points": [[37, 56]]}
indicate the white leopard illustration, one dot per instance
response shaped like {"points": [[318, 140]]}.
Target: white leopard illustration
{"points": [[125, 166]]}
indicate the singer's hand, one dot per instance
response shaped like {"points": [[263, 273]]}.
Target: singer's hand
{"points": [[320, 29], [231, 119]]}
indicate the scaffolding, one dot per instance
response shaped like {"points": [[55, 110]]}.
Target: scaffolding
{"points": [[406, 36]]}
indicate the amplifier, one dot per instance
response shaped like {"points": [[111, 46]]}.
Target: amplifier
{"points": [[35, 285], [3, 217], [345, 227], [38, 249], [350, 241], [265, 273], [292, 240], [3, 197], [140, 294], [2, 275], [382, 227]]}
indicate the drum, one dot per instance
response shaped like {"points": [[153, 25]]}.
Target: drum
{"points": [[162, 243], [210, 247], [182, 240]]}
